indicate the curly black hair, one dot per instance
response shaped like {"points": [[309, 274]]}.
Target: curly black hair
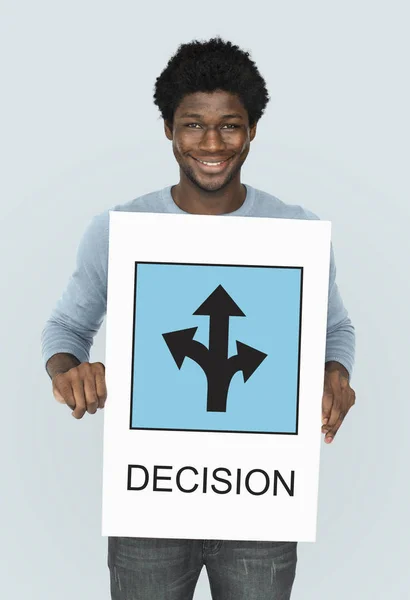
{"points": [[208, 66]]}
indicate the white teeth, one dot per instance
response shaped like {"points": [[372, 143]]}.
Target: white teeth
{"points": [[211, 164]]}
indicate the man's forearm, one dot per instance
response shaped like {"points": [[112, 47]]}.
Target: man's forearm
{"points": [[61, 363]]}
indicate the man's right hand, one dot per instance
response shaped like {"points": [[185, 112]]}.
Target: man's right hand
{"points": [[82, 388]]}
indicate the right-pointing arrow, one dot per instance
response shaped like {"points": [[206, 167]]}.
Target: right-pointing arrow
{"points": [[248, 359]]}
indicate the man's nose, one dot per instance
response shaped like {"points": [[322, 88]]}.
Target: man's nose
{"points": [[211, 140]]}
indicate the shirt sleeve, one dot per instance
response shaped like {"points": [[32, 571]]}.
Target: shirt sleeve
{"points": [[79, 312], [340, 336], [340, 339]]}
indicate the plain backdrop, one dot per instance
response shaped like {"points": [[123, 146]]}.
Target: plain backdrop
{"points": [[80, 133]]}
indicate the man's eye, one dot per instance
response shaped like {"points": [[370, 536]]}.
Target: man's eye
{"points": [[229, 125]]}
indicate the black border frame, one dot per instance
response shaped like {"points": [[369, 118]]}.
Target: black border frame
{"points": [[147, 262]]}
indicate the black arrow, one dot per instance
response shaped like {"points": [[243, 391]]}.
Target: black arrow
{"points": [[181, 345], [218, 368], [219, 306], [247, 360]]}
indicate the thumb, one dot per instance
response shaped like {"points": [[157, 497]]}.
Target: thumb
{"points": [[57, 394], [59, 397], [327, 402]]}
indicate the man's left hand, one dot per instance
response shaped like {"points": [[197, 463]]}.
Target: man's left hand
{"points": [[338, 398]]}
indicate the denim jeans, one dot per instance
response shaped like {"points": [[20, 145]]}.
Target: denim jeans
{"points": [[168, 569]]}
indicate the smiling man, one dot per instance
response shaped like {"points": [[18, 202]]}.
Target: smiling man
{"points": [[211, 97], [211, 137]]}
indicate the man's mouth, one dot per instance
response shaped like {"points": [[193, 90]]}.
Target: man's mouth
{"points": [[212, 165]]}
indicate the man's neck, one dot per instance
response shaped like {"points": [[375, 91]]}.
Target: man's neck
{"points": [[190, 198]]}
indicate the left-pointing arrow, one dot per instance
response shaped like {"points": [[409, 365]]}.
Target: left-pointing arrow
{"points": [[181, 345]]}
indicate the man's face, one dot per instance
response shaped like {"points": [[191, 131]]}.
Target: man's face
{"points": [[210, 127]]}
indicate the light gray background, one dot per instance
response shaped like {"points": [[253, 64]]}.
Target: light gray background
{"points": [[80, 133]]}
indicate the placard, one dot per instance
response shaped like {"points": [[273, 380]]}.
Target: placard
{"points": [[215, 349]]}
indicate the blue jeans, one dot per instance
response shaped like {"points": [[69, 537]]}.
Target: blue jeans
{"points": [[168, 569]]}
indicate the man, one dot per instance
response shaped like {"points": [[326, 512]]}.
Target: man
{"points": [[211, 97]]}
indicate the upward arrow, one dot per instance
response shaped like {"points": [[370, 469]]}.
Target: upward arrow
{"points": [[219, 306]]}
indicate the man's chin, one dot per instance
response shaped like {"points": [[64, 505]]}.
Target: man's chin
{"points": [[211, 186]]}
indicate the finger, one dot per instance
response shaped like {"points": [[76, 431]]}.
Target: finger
{"points": [[334, 416], [63, 392], [348, 400], [58, 396], [100, 386], [340, 419], [343, 403], [90, 393], [331, 433], [327, 402], [336, 419], [78, 390], [334, 382]]}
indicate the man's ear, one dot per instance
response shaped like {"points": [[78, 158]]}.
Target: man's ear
{"points": [[168, 129], [252, 131]]}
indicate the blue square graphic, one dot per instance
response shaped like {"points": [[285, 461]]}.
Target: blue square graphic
{"points": [[216, 348]]}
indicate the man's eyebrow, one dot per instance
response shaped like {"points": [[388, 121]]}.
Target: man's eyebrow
{"points": [[198, 116]]}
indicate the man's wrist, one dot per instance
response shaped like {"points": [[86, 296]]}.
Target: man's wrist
{"points": [[61, 363], [333, 365]]}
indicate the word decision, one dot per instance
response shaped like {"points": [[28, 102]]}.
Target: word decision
{"points": [[219, 481]]}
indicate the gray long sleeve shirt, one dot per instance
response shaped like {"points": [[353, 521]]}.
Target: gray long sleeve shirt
{"points": [[79, 312]]}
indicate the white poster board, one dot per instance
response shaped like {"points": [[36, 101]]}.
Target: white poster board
{"points": [[215, 349]]}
